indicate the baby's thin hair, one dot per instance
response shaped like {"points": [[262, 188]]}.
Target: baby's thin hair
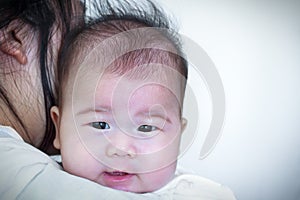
{"points": [[160, 42]]}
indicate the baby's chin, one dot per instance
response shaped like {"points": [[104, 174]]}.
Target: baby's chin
{"points": [[150, 187], [138, 188]]}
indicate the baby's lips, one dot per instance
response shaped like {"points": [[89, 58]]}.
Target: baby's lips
{"points": [[116, 177]]}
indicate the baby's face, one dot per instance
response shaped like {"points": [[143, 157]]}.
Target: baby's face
{"points": [[121, 133]]}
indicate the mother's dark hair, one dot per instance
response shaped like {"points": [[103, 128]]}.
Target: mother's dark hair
{"points": [[43, 18]]}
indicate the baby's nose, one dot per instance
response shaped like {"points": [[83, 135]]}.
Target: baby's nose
{"points": [[121, 145]]}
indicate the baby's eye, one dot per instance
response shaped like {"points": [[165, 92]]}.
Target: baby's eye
{"points": [[100, 125], [147, 128]]}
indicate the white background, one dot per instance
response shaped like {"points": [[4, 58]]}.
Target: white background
{"points": [[255, 46]]}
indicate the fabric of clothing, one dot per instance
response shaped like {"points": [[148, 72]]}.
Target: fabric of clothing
{"points": [[194, 187], [28, 173]]}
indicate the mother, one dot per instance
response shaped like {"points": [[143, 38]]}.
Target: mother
{"points": [[30, 37]]}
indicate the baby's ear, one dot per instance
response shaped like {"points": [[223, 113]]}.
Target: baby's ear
{"points": [[183, 124], [11, 44], [54, 112]]}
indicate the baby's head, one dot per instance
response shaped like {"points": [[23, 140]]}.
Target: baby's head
{"points": [[119, 115]]}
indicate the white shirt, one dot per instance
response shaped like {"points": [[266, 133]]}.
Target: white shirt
{"points": [[193, 187]]}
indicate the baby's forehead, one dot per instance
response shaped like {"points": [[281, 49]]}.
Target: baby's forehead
{"points": [[136, 93]]}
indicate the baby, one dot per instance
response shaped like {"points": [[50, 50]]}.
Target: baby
{"points": [[118, 121], [119, 114]]}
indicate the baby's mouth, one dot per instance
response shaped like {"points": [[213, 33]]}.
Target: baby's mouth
{"points": [[117, 176], [117, 173]]}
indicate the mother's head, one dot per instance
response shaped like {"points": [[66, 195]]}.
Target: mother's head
{"points": [[30, 37]]}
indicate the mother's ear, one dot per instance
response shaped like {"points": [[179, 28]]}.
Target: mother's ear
{"points": [[11, 44]]}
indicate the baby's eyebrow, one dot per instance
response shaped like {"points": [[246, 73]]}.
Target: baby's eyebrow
{"points": [[96, 109], [156, 115]]}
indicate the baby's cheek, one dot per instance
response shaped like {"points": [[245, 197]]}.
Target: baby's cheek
{"points": [[78, 162], [158, 143]]}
